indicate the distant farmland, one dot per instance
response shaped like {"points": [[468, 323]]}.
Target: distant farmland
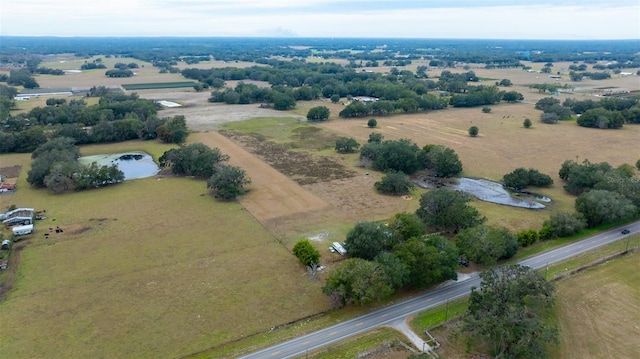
{"points": [[158, 85]]}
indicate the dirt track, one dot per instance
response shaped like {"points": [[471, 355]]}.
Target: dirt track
{"points": [[271, 194]]}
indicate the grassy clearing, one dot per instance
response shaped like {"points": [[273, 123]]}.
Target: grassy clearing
{"points": [[434, 317], [290, 132], [144, 265], [350, 348]]}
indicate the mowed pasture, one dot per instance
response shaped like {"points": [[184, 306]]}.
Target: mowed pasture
{"points": [[599, 311], [152, 267]]}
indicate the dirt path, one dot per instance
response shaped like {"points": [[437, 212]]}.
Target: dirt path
{"points": [[271, 194], [403, 327]]}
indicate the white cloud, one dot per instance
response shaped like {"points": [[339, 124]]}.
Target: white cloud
{"points": [[562, 19]]}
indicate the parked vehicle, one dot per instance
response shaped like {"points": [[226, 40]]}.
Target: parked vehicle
{"points": [[22, 230]]}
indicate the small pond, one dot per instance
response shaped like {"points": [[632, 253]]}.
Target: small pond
{"points": [[490, 191], [134, 164], [494, 192]]}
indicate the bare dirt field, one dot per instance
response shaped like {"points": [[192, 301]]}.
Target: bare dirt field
{"points": [[272, 194], [297, 197]]}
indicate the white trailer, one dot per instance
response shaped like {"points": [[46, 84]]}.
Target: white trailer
{"points": [[22, 230], [339, 248]]}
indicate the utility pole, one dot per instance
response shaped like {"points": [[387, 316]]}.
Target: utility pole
{"points": [[446, 311], [546, 271], [626, 249]]}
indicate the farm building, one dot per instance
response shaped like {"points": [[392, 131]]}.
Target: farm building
{"points": [[28, 93], [18, 216], [7, 187], [365, 99]]}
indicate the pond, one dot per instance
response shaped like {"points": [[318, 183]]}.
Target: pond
{"points": [[494, 192], [134, 164], [489, 191]]}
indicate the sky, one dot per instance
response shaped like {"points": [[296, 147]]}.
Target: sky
{"points": [[469, 19]]}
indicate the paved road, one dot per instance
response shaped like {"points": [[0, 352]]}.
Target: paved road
{"points": [[299, 346]]}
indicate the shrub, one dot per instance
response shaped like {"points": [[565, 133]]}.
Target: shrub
{"points": [[317, 114], [346, 145], [521, 178], [528, 237], [526, 123], [486, 109], [372, 123], [375, 137], [473, 131], [394, 182], [228, 182], [549, 118], [306, 253], [565, 224]]}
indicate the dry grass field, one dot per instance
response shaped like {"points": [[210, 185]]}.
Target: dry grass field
{"points": [[87, 78], [599, 311], [149, 268], [157, 268]]}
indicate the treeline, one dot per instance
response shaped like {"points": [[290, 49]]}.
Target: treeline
{"points": [[282, 98], [399, 159], [493, 53], [387, 258], [405, 156], [400, 254], [55, 166], [608, 112], [23, 78], [606, 195], [116, 117], [578, 76], [119, 73], [397, 91]]}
